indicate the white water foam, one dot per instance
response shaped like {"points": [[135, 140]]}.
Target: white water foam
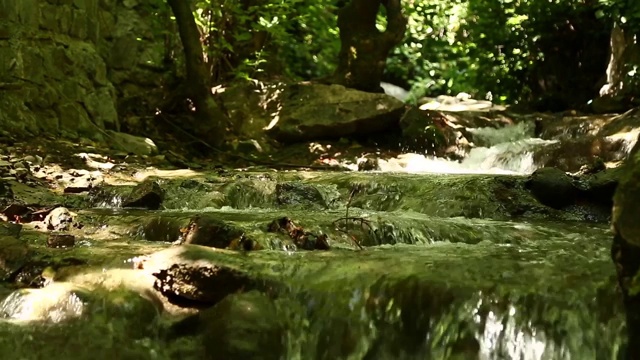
{"points": [[507, 150]]}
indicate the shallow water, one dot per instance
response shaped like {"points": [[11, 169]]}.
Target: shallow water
{"points": [[431, 287], [446, 271]]}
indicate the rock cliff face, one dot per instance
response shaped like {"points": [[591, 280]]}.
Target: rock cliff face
{"points": [[67, 66]]}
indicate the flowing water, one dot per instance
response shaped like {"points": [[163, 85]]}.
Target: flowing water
{"points": [[445, 274], [507, 150]]}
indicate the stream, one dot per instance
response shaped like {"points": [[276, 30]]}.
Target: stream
{"points": [[447, 272]]}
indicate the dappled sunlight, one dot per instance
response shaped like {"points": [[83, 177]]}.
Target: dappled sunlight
{"points": [[55, 303], [501, 335]]}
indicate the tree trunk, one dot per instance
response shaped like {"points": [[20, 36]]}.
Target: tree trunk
{"points": [[364, 49], [623, 72], [211, 121]]}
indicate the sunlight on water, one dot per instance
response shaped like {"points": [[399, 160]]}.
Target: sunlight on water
{"points": [[505, 158], [506, 150], [52, 303], [515, 343]]}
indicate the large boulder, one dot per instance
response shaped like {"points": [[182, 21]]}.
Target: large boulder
{"points": [[625, 250], [315, 111]]}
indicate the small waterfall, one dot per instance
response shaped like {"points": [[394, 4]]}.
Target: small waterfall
{"points": [[506, 150]]}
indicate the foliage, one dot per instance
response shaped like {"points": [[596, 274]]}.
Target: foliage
{"points": [[625, 12], [295, 38], [483, 47]]}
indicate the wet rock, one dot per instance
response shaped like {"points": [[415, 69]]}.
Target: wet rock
{"points": [[33, 275], [574, 153], [81, 181], [248, 193], [601, 187], [243, 326], [301, 238], [108, 196], [248, 147], [552, 187], [299, 194], [20, 173], [369, 165], [625, 250], [426, 132], [147, 194], [61, 240], [13, 255], [198, 286], [59, 219], [314, 111], [161, 229], [206, 230]]}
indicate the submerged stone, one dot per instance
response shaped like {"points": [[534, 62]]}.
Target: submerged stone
{"points": [[299, 194], [207, 230], [552, 187], [200, 286], [147, 194], [61, 240]]}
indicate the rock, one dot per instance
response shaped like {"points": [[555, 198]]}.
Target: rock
{"points": [[369, 165], [132, 144], [148, 195], [425, 132], [20, 165], [59, 219], [626, 207], [248, 147], [552, 187], [20, 173], [299, 194], [200, 286], [395, 91], [160, 229], [609, 104], [13, 255], [206, 230], [625, 250], [601, 187], [79, 184], [61, 240], [30, 159], [302, 238], [35, 274], [313, 111], [572, 154], [10, 229], [243, 326]]}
